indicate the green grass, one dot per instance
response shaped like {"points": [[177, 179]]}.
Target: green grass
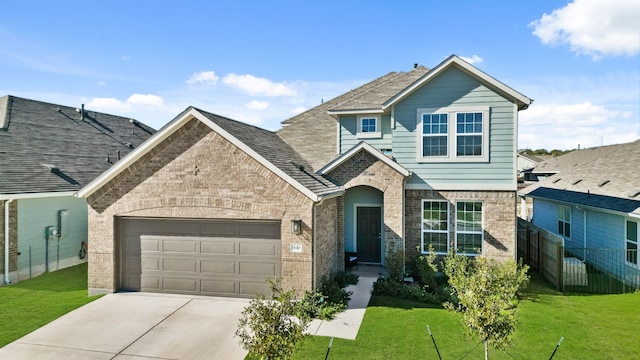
{"points": [[594, 327], [30, 304]]}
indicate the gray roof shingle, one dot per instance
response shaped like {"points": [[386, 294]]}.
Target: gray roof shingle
{"points": [[271, 147], [36, 135], [607, 171]]}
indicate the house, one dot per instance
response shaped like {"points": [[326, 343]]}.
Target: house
{"points": [[526, 164], [47, 153], [213, 206], [593, 202]]}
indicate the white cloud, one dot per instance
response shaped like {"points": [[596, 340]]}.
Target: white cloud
{"points": [[208, 78], [101, 83], [593, 27], [125, 57], [257, 105], [113, 105], [565, 126], [474, 59], [259, 86]]}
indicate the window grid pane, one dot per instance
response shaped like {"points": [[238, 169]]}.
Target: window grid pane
{"points": [[631, 242], [368, 125], [469, 124], [435, 129], [469, 227], [564, 221], [435, 226]]}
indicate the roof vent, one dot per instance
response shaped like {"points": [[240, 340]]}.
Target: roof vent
{"points": [[576, 182], [54, 169], [129, 145], [556, 180], [635, 193], [298, 166], [603, 183]]}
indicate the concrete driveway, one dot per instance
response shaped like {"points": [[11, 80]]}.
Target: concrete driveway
{"points": [[136, 326]]}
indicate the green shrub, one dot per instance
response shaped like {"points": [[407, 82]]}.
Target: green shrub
{"points": [[394, 260], [413, 291], [331, 299]]}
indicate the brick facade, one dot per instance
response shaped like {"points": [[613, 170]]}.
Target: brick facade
{"points": [[499, 208], [365, 169], [13, 236], [196, 173], [328, 244]]}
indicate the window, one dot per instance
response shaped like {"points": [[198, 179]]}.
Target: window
{"points": [[435, 134], [435, 226], [453, 134], [469, 231], [469, 134], [564, 221], [631, 242], [368, 127]]}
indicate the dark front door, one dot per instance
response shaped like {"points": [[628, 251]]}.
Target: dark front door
{"points": [[368, 234]]}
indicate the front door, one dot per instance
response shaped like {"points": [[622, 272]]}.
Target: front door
{"points": [[368, 221]]}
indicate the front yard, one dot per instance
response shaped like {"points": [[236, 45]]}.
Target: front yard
{"points": [[29, 304], [594, 327]]}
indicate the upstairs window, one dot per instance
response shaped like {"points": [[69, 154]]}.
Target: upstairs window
{"points": [[453, 134], [469, 134], [435, 135], [631, 242], [564, 221], [369, 127]]}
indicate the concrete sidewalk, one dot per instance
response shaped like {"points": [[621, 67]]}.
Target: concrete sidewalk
{"points": [[347, 324]]}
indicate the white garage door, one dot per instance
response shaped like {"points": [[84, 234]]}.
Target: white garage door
{"points": [[204, 257]]}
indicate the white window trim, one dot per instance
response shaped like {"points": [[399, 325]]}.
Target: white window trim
{"points": [[627, 220], [423, 230], [452, 134], [469, 232], [368, 135], [568, 222]]}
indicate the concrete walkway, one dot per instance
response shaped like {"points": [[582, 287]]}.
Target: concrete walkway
{"points": [[347, 324]]}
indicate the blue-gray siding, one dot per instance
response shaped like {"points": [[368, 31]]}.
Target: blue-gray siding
{"points": [[348, 133]]}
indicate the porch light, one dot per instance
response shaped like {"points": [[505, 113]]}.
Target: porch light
{"points": [[296, 226]]}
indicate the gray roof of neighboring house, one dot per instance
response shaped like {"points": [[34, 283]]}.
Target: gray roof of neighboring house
{"points": [[608, 171], [271, 147], [36, 136]]}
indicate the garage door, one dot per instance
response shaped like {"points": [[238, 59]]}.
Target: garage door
{"points": [[204, 257]]}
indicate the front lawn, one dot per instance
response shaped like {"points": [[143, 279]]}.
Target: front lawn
{"points": [[30, 304], [594, 327]]}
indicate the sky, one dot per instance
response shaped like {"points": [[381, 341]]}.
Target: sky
{"points": [[262, 62]]}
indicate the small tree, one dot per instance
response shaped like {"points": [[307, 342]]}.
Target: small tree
{"points": [[272, 328], [485, 293]]}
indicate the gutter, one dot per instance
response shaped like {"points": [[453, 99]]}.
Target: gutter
{"points": [[6, 241]]}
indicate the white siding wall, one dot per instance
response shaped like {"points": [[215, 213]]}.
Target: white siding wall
{"points": [[34, 215]]}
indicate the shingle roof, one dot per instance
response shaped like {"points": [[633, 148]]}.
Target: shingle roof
{"points": [[37, 136], [271, 147], [587, 199], [609, 171]]}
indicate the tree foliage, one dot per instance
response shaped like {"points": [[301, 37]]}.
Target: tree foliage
{"points": [[485, 294], [272, 328]]}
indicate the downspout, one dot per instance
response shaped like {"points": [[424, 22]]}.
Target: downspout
{"points": [[6, 241]]}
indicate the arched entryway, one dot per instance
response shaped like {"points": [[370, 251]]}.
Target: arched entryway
{"points": [[363, 223]]}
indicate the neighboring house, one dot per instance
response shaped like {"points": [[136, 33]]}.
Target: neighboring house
{"points": [[212, 206], [526, 164], [47, 153], [593, 202]]}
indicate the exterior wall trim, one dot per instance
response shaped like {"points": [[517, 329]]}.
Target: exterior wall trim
{"points": [[364, 146], [446, 186], [36, 195]]}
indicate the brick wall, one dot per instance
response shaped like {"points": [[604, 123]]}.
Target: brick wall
{"points": [[365, 169], [328, 246], [13, 237], [195, 173], [499, 219]]}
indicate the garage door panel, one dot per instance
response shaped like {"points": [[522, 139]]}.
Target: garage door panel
{"points": [[218, 267], [180, 285], [184, 245], [257, 268], [218, 247], [218, 287], [266, 248], [213, 259]]}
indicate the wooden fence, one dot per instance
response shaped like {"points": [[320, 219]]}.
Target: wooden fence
{"points": [[542, 251]]}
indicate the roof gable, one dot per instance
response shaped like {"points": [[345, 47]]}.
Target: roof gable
{"points": [[522, 101], [371, 150], [262, 145]]}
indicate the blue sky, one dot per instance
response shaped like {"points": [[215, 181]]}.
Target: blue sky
{"points": [[261, 62]]}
